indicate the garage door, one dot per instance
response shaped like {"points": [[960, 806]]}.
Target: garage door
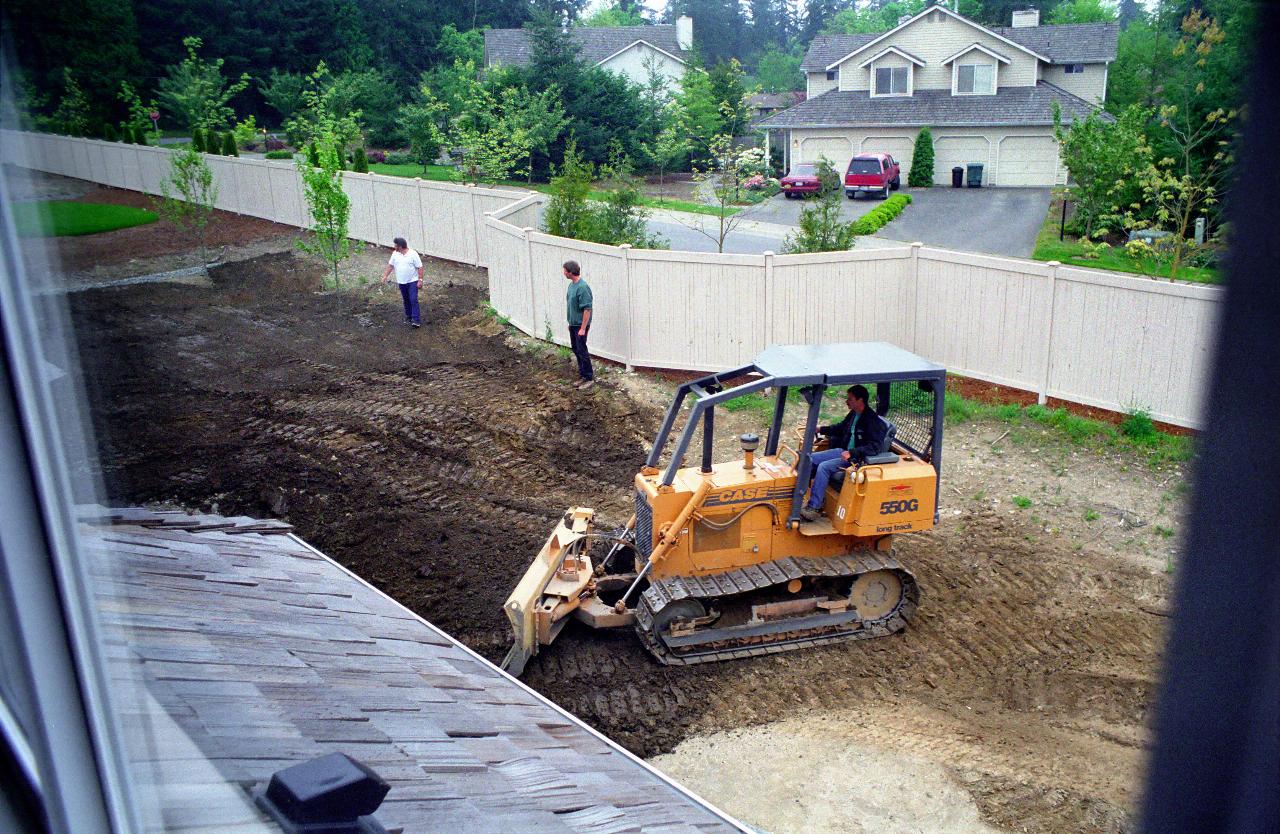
{"points": [[898, 147], [838, 149], [958, 151], [1027, 160]]}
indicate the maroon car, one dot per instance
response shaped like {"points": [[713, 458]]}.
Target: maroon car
{"points": [[802, 180], [872, 173]]}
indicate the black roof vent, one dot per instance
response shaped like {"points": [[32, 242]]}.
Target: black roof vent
{"points": [[333, 794]]}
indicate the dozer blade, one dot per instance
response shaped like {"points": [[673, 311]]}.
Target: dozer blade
{"points": [[550, 590]]}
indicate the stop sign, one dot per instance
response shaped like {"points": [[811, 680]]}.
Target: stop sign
{"points": [[155, 114]]}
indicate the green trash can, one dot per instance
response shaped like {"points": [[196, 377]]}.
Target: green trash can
{"points": [[975, 174]]}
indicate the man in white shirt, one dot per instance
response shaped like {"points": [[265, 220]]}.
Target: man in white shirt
{"points": [[407, 266]]}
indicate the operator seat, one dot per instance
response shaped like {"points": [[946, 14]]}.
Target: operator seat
{"points": [[884, 456]]}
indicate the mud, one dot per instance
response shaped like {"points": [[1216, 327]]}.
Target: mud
{"points": [[434, 462]]}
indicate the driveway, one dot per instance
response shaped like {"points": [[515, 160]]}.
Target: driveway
{"points": [[784, 212], [995, 221]]}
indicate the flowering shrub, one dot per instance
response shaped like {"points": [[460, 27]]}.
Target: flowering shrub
{"points": [[754, 183], [751, 162], [377, 157], [274, 144]]}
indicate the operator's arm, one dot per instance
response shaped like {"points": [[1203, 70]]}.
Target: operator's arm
{"points": [[872, 438]]}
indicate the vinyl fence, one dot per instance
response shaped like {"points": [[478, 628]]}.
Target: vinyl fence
{"points": [[1099, 338]]}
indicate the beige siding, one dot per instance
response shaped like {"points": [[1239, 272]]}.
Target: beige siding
{"points": [[836, 146], [932, 43], [818, 84], [631, 64], [1090, 85]]}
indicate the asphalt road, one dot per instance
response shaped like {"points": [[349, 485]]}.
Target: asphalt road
{"points": [[995, 221]]}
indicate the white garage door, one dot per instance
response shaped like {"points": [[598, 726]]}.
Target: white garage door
{"points": [[838, 149], [1027, 160], [898, 147], [958, 151]]}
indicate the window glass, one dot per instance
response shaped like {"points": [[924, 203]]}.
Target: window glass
{"points": [[1074, 68], [864, 166], [891, 81], [975, 78], [831, 75]]}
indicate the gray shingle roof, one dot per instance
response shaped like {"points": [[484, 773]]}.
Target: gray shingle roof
{"points": [[1010, 106], [1077, 43], [256, 652], [512, 47], [827, 48]]}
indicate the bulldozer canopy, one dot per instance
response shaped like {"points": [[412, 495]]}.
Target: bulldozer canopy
{"points": [[846, 363]]}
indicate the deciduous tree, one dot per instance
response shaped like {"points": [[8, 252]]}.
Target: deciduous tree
{"points": [[196, 93], [821, 228], [328, 205], [188, 196]]}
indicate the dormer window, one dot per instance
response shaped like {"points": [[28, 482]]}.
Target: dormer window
{"points": [[891, 81], [831, 75], [1070, 69], [975, 79]]}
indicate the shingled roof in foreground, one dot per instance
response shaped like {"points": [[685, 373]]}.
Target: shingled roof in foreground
{"points": [[257, 652]]}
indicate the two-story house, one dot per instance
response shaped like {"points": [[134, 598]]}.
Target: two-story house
{"points": [[631, 51], [987, 94]]}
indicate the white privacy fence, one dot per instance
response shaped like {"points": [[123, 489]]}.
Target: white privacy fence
{"points": [[1104, 339]]}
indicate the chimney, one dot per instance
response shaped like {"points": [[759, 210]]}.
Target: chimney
{"points": [[1026, 18], [684, 32]]}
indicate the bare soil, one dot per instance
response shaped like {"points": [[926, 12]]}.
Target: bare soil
{"points": [[435, 461]]}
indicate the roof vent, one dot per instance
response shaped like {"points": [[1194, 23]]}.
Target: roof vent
{"points": [[333, 794], [1026, 18]]}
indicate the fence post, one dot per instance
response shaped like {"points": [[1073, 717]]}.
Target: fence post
{"points": [[916, 246], [528, 262], [471, 214], [626, 285], [1043, 394], [768, 298]]}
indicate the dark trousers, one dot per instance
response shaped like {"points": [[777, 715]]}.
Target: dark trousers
{"points": [[409, 295], [579, 345]]}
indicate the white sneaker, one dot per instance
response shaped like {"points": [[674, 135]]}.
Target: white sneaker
{"points": [[585, 384]]}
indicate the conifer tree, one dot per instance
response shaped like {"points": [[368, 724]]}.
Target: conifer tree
{"points": [[921, 175]]}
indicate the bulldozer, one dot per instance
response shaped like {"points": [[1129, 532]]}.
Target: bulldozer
{"points": [[717, 562]]}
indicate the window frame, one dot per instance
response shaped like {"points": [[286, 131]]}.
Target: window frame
{"points": [[875, 83], [958, 64]]}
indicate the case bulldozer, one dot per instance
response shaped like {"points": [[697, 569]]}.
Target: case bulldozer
{"points": [[717, 562]]}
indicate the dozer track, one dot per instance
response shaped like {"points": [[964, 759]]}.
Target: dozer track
{"points": [[705, 645]]}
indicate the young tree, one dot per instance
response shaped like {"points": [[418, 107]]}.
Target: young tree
{"points": [[420, 122], [669, 149], [697, 112], [723, 178], [921, 175], [188, 196], [195, 92], [730, 93], [139, 114], [1103, 159], [568, 213], [532, 121], [229, 144], [360, 161], [72, 115], [322, 116], [821, 228], [282, 92], [327, 202], [656, 94]]}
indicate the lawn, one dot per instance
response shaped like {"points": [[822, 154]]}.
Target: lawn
{"points": [[444, 173], [64, 218], [1071, 251]]}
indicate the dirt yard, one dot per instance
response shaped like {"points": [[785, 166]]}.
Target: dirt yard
{"points": [[434, 463]]}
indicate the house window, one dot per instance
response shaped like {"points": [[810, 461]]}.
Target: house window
{"points": [[831, 75], [1073, 69], [891, 81], [976, 79]]}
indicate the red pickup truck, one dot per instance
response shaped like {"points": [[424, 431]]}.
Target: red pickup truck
{"points": [[801, 180], [872, 173]]}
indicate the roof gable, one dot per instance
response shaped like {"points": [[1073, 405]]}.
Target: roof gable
{"points": [[919, 62], [925, 13], [596, 44], [980, 48]]}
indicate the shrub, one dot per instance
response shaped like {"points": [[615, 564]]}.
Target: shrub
{"points": [[274, 144], [197, 140], [279, 154], [1138, 427], [921, 175], [139, 136], [109, 133], [212, 141], [360, 161], [399, 158], [870, 223], [229, 145], [313, 155], [377, 157]]}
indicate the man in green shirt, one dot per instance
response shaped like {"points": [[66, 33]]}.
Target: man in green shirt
{"points": [[578, 301]]}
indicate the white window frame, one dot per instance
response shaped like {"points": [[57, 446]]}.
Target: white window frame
{"points": [[875, 92], [955, 77]]}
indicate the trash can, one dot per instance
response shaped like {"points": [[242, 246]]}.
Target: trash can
{"points": [[975, 174], [957, 177]]}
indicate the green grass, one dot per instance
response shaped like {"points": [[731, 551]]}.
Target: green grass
{"points": [[64, 218], [1136, 432], [1021, 502], [1091, 515], [1072, 252], [445, 173]]}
